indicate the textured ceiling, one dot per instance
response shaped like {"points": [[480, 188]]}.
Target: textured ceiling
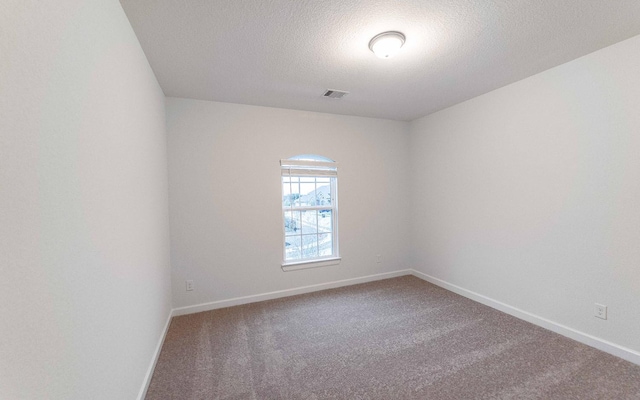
{"points": [[285, 53]]}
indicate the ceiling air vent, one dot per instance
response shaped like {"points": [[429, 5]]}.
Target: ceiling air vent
{"points": [[335, 94]]}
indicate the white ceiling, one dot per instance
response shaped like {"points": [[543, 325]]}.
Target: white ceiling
{"points": [[285, 53]]}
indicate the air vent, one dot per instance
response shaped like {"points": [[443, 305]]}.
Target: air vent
{"points": [[335, 94]]}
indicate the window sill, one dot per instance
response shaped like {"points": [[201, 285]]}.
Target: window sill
{"points": [[311, 264]]}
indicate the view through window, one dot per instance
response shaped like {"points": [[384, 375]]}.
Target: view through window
{"points": [[309, 207]]}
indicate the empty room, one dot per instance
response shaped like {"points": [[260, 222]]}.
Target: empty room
{"points": [[305, 199]]}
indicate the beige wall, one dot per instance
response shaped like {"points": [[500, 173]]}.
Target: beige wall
{"points": [[225, 195], [84, 263], [530, 194]]}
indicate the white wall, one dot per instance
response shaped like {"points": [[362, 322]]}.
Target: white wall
{"points": [[84, 263], [225, 195], [530, 194]]}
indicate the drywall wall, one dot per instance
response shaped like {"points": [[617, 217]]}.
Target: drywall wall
{"points": [[84, 263], [225, 195], [529, 195]]}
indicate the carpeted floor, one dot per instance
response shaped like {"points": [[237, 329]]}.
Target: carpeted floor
{"points": [[400, 338]]}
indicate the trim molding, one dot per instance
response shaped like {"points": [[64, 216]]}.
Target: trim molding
{"points": [[590, 340], [285, 293], [311, 264], [147, 378]]}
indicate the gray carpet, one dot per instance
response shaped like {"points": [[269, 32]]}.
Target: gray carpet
{"points": [[400, 338]]}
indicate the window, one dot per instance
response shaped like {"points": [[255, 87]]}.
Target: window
{"points": [[309, 211]]}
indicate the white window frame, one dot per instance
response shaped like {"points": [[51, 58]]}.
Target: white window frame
{"points": [[311, 166]]}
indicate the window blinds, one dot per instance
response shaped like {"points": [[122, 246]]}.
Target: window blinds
{"points": [[308, 168]]}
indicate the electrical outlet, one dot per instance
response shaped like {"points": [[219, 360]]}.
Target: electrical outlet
{"points": [[600, 311], [189, 285], [378, 258]]}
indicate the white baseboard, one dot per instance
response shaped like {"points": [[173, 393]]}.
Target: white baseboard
{"points": [[147, 378], [600, 344], [285, 293]]}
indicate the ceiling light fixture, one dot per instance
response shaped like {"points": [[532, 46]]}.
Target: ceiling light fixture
{"points": [[386, 44]]}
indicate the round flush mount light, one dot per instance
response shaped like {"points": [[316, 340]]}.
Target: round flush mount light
{"points": [[386, 44]]}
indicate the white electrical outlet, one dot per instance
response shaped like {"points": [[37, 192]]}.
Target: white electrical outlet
{"points": [[378, 258], [600, 311], [189, 285]]}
